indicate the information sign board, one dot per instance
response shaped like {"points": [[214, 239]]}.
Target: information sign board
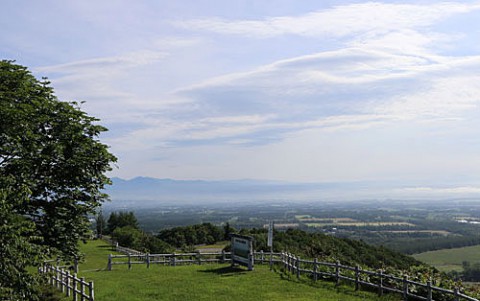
{"points": [[242, 250]]}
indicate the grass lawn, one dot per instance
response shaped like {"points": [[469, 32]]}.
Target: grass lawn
{"points": [[450, 259], [205, 282]]}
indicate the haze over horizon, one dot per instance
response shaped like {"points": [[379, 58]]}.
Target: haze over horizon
{"points": [[310, 91]]}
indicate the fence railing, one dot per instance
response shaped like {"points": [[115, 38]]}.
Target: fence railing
{"points": [[69, 284], [314, 269], [376, 280]]}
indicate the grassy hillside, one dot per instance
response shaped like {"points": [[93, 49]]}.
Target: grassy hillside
{"points": [[205, 282], [450, 259]]}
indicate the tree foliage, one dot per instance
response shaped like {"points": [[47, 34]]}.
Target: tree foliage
{"points": [[121, 219], [52, 171], [205, 233]]}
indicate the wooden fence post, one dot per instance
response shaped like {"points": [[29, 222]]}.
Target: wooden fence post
{"points": [[68, 283], [298, 267], [292, 263], [148, 260], [337, 273], [174, 263], [261, 257], [380, 282], [129, 261], [223, 256], [82, 289], [75, 265], [271, 258], [74, 287], [92, 292], [429, 290], [315, 269], [198, 258], [287, 262], [63, 280], [455, 294], [405, 287], [357, 278], [109, 266]]}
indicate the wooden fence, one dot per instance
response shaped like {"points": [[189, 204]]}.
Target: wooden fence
{"points": [[167, 259], [377, 280], [314, 269], [69, 284]]}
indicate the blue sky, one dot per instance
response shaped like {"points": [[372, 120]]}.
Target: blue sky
{"points": [[303, 91]]}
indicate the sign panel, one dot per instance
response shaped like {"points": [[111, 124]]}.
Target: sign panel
{"points": [[242, 250]]}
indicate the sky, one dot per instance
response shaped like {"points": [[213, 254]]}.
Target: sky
{"points": [[287, 90]]}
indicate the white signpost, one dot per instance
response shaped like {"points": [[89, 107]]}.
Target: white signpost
{"points": [[270, 235], [270, 242], [242, 250]]}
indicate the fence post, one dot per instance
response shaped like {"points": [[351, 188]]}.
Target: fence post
{"points": [[57, 275], [298, 267], [75, 265], [315, 269], [223, 256], [148, 260], [405, 287], [271, 258], [129, 261], [74, 287], [287, 261], [290, 268], [380, 283], [429, 290], [67, 282], [337, 273], [455, 294], [62, 280], [82, 288], [357, 277], [174, 263], [261, 256], [109, 266], [92, 292]]}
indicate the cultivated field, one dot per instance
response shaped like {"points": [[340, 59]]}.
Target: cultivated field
{"points": [[205, 282], [450, 259]]}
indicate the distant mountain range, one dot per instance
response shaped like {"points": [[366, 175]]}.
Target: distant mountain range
{"points": [[151, 191]]}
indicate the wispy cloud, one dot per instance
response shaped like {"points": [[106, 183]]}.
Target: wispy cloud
{"points": [[338, 21]]}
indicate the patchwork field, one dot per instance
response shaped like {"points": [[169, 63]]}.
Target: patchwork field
{"points": [[450, 259], [205, 282], [311, 221]]}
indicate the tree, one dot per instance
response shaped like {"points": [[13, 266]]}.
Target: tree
{"points": [[52, 171], [121, 219], [100, 224]]}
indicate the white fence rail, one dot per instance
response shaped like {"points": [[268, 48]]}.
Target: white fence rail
{"points": [[69, 284]]}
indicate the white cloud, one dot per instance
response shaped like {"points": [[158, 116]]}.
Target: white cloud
{"points": [[128, 60], [338, 21]]}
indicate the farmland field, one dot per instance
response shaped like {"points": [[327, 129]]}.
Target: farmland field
{"points": [[204, 282], [450, 259]]}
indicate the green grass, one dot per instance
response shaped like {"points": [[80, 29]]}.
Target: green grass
{"points": [[450, 259], [205, 282]]}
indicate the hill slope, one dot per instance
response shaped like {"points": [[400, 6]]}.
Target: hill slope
{"points": [[205, 282]]}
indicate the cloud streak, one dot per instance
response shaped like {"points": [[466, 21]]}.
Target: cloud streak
{"points": [[339, 21]]}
